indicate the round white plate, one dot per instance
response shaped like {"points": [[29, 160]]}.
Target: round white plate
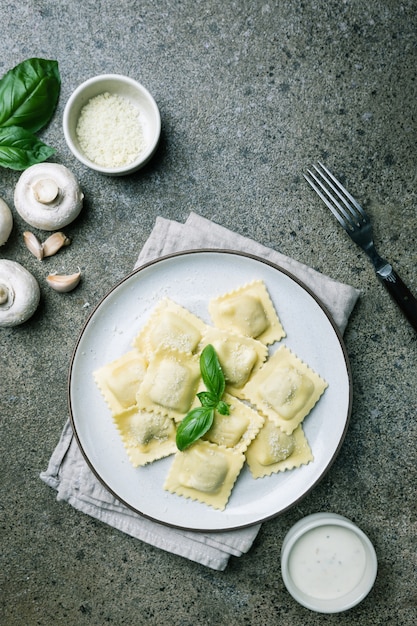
{"points": [[191, 279]]}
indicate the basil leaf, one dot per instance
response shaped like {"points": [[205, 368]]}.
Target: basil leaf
{"points": [[198, 421], [207, 399], [223, 408], [211, 372], [194, 425], [19, 148], [29, 94]]}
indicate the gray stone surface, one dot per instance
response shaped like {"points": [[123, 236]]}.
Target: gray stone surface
{"points": [[250, 93]]}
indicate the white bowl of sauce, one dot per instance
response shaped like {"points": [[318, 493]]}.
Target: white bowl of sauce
{"points": [[328, 564]]}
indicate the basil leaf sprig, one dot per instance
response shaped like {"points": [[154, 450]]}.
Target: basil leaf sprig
{"points": [[199, 420], [28, 97]]}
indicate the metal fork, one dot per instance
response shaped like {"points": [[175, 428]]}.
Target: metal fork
{"points": [[358, 226]]}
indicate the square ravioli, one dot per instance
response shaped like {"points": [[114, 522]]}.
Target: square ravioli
{"points": [[170, 325], [248, 311], [273, 451], [170, 383], [237, 429], [146, 436], [285, 389], [120, 380], [206, 473], [239, 356]]}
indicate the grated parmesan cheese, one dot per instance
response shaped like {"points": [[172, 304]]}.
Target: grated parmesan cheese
{"points": [[109, 131]]}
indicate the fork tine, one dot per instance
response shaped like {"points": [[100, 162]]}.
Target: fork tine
{"points": [[340, 188], [350, 219], [330, 201]]}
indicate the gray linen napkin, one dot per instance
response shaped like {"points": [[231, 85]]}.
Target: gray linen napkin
{"points": [[69, 474]]}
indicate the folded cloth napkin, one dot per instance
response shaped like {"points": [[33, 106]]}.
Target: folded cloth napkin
{"points": [[69, 474]]}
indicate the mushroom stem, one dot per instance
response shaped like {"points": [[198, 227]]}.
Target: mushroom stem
{"points": [[4, 294], [45, 190]]}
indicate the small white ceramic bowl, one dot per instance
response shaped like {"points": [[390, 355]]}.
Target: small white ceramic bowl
{"points": [[135, 93], [328, 564]]}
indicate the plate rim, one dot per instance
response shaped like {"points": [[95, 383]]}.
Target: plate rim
{"points": [[187, 252]]}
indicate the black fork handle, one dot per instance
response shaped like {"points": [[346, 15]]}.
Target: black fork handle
{"points": [[399, 291]]}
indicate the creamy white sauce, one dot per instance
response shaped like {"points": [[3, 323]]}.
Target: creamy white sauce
{"points": [[327, 562]]}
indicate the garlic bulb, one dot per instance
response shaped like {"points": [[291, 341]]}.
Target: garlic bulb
{"points": [[6, 222], [48, 196], [19, 293]]}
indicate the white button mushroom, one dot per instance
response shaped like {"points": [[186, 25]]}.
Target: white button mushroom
{"points": [[19, 293], [6, 222], [48, 196]]}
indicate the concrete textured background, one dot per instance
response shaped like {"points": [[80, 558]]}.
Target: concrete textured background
{"points": [[250, 93]]}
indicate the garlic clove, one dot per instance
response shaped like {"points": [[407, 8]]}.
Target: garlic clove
{"points": [[63, 282], [33, 244], [54, 243]]}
